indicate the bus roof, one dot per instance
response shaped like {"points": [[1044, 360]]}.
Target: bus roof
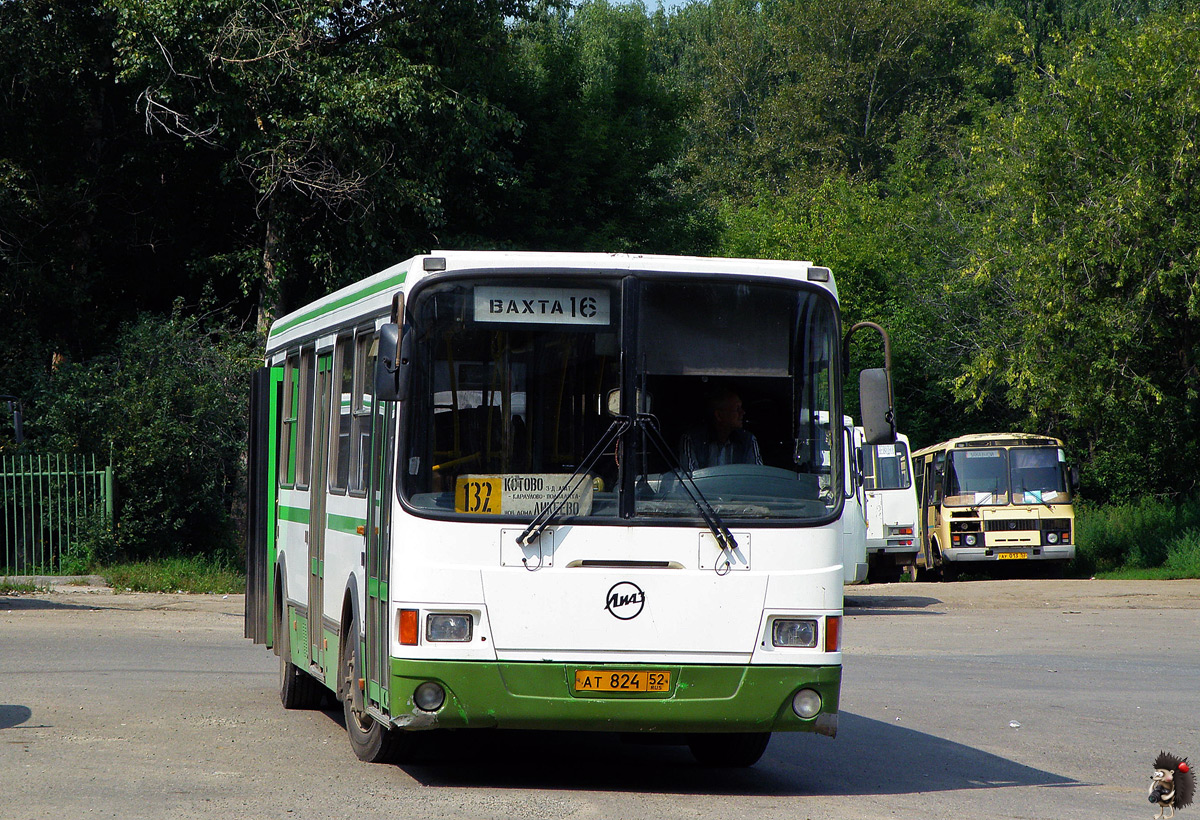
{"points": [[372, 297], [992, 440]]}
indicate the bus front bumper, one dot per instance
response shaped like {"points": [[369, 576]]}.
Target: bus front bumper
{"points": [[543, 696], [1063, 552]]}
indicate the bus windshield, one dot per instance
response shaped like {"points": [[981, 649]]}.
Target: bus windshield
{"points": [[977, 477], [517, 381], [885, 467], [1038, 476]]}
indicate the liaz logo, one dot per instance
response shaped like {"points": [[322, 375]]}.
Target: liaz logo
{"points": [[625, 600]]}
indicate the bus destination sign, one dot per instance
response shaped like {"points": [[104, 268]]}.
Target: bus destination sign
{"points": [[522, 494], [544, 306]]}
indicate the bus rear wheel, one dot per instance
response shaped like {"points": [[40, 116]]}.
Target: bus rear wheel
{"points": [[736, 750], [371, 741]]}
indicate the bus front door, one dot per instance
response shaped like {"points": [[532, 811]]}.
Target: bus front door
{"points": [[316, 526], [928, 513], [381, 480]]}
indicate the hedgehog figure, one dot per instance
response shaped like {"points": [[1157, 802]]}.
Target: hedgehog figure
{"points": [[1172, 785]]}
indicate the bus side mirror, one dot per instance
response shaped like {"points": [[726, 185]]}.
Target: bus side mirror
{"points": [[875, 402], [391, 368], [1074, 474]]}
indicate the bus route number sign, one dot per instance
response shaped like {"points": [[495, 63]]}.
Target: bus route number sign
{"points": [[478, 494], [609, 680]]}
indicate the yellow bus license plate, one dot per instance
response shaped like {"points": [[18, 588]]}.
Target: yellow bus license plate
{"points": [[1011, 555], [596, 680]]}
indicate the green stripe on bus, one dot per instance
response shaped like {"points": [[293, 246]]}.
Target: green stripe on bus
{"points": [[299, 515], [348, 299], [345, 523]]}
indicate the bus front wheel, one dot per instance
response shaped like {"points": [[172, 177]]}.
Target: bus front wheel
{"points": [[371, 741], [736, 750]]}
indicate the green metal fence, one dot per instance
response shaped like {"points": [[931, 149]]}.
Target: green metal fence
{"points": [[45, 501]]}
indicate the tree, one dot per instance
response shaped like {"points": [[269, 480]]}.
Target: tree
{"points": [[1088, 255], [600, 131], [364, 130], [791, 90], [96, 220], [166, 399]]}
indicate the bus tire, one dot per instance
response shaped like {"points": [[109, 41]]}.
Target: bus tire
{"points": [[736, 750], [949, 569], [297, 688], [371, 741]]}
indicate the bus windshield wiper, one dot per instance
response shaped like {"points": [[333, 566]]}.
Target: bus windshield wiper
{"points": [[712, 519], [543, 519]]}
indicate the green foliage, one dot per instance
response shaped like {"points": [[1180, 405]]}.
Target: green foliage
{"points": [[1008, 186], [94, 542], [600, 131], [787, 91], [1147, 534], [168, 401], [194, 574], [1085, 261], [1183, 555], [358, 131], [17, 588]]}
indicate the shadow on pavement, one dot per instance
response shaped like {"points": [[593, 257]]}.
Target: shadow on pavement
{"points": [[11, 716], [873, 757], [868, 758], [867, 604], [21, 602]]}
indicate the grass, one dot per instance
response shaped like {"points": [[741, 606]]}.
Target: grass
{"points": [[1152, 539], [11, 588], [197, 575]]}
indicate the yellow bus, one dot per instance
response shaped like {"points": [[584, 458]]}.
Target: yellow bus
{"points": [[994, 497]]}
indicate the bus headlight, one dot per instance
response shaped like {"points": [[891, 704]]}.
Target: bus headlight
{"points": [[429, 696], [970, 540], [794, 633], [441, 627], [806, 703], [1051, 538]]}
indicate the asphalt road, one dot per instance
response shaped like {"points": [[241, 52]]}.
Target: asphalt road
{"points": [[989, 699]]}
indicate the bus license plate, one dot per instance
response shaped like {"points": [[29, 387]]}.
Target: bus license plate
{"points": [[1011, 555], [597, 680]]}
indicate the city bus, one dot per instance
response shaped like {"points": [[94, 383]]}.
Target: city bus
{"points": [[891, 509], [994, 497], [468, 510]]}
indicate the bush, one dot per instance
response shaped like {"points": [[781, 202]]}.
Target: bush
{"points": [[1147, 534], [168, 401], [1183, 556]]}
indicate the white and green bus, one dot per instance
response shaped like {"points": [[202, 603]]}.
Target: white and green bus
{"points": [[468, 509]]}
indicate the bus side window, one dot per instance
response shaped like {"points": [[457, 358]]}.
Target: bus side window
{"points": [[870, 465], [339, 432], [304, 434], [366, 352], [938, 468], [288, 405]]}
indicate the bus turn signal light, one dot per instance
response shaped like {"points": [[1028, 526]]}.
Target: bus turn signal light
{"points": [[833, 633], [408, 626]]}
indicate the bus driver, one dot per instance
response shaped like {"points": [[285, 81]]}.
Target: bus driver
{"points": [[721, 440]]}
